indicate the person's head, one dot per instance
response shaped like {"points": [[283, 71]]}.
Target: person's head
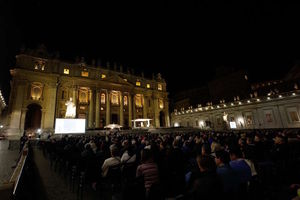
{"points": [[114, 150], [241, 142], [206, 163], [257, 138], [215, 146], [279, 139], [176, 143], [235, 153], [146, 155], [222, 157], [249, 140]]}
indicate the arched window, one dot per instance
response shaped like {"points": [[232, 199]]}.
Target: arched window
{"points": [[115, 98], [83, 95], [138, 100], [102, 98]]}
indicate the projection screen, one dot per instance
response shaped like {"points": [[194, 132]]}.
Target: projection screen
{"points": [[69, 126]]}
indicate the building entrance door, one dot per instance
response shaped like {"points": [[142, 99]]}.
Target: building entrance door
{"points": [[33, 117], [114, 119]]}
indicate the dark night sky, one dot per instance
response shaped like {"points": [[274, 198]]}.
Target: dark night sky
{"points": [[158, 36]]}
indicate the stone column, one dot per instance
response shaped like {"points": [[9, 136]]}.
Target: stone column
{"points": [[74, 96], [121, 110], [133, 108], [129, 110], [91, 109], [97, 117], [43, 111], [23, 115], [107, 101], [145, 107], [167, 117], [156, 113]]}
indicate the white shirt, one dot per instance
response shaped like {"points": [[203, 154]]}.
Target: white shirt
{"points": [[112, 161], [125, 158]]}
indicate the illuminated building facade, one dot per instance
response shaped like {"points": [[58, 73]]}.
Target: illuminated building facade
{"points": [[2, 103], [270, 104], [41, 85]]}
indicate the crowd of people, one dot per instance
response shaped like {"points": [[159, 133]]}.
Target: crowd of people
{"points": [[259, 164]]}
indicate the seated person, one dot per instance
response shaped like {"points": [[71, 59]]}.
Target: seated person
{"points": [[208, 185], [239, 165], [228, 176]]}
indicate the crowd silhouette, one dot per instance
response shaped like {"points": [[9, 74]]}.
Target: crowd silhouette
{"points": [[257, 164]]}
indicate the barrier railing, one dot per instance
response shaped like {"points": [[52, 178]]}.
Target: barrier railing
{"points": [[8, 190]]}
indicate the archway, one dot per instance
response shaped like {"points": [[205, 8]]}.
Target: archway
{"points": [[162, 119], [33, 117]]}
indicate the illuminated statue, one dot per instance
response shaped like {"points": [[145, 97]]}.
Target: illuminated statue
{"points": [[225, 116], [71, 109]]}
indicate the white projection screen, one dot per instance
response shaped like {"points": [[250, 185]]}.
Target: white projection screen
{"points": [[69, 126]]}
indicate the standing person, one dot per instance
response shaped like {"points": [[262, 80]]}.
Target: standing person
{"points": [[23, 140], [148, 169]]}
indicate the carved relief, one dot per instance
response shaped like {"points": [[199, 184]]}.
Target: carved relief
{"points": [[36, 90]]}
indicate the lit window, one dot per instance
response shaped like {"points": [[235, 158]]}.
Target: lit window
{"points": [[246, 77], [138, 100], [125, 79], [161, 104], [66, 71], [36, 66], [102, 108], [115, 98], [148, 85], [125, 101], [138, 83], [103, 76], [159, 86], [84, 73], [83, 95], [102, 98]]}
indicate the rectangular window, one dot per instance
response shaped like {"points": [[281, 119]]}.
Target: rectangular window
{"points": [[148, 85], [66, 71], [138, 83], [84, 73]]}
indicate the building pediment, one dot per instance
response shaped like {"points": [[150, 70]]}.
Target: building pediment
{"points": [[118, 80]]}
